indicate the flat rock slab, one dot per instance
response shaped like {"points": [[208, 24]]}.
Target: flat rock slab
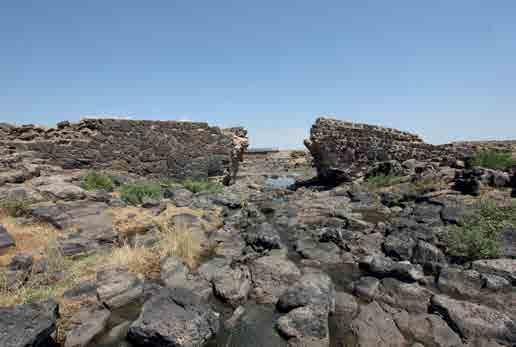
{"points": [[174, 317], [305, 326], [500, 267], [62, 191], [29, 325], [429, 329], [315, 289], [87, 325], [117, 288], [86, 224], [232, 284], [374, 327], [475, 321], [408, 296], [6, 240], [271, 276]]}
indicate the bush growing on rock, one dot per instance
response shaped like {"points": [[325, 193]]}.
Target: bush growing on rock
{"points": [[202, 186], [478, 236], [97, 180], [15, 208], [492, 160], [381, 181], [137, 193]]}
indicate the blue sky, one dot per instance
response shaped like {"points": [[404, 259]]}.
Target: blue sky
{"points": [[444, 69]]}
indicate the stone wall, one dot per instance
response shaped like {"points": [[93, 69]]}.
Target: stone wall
{"points": [[149, 148], [342, 149]]}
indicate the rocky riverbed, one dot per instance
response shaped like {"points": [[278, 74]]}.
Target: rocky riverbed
{"points": [[276, 259]]}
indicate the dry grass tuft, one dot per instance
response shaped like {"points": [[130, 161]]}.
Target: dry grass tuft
{"points": [[137, 259], [129, 221], [30, 238], [68, 308], [62, 275], [181, 242], [208, 220]]}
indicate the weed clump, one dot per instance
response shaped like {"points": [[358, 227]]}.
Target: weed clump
{"points": [[381, 181], [137, 193], [15, 208], [197, 186], [478, 236], [491, 159], [97, 180]]}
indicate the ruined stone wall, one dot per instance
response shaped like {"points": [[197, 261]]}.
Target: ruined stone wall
{"points": [[152, 148], [341, 149]]}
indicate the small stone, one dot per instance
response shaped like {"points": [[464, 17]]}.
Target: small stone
{"points": [[6, 240], [21, 262]]}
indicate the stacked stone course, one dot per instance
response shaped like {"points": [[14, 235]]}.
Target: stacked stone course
{"points": [[342, 149], [169, 149]]}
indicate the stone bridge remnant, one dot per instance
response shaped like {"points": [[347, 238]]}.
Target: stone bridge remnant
{"points": [[343, 149], [162, 149]]}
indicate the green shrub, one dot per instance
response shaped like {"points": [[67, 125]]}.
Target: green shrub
{"points": [[492, 160], [383, 181], [97, 180], [15, 208], [202, 186], [136, 193], [478, 236]]}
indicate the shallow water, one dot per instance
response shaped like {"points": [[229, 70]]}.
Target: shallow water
{"points": [[255, 329], [117, 327], [279, 182]]}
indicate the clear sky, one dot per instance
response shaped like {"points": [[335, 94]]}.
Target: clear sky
{"points": [[445, 69]]}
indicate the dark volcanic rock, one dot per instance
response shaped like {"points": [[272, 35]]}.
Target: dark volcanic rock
{"points": [[312, 289], [323, 252], [263, 237], [473, 320], [305, 326], [385, 168], [87, 224], [117, 288], [408, 296], [342, 149], [180, 197], [465, 283], [6, 240], [86, 325], [375, 327], [366, 288], [21, 262], [428, 329], [505, 268], [271, 276], [232, 284], [399, 246], [159, 148], [427, 254], [174, 317], [385, 267], [29, 325]]}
